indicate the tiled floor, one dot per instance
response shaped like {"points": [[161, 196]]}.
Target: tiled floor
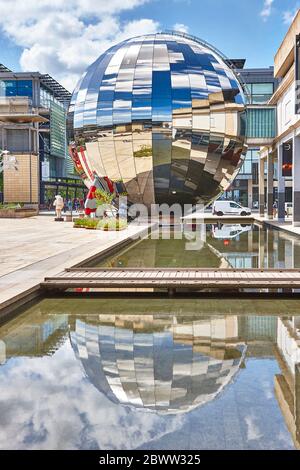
{"points": [[37, 247]]}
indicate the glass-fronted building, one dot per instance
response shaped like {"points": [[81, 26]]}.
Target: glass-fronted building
{"points": [[33, 113], [260, 85]]}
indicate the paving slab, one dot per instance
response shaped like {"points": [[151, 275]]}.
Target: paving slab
{"points": [[32, 249]]}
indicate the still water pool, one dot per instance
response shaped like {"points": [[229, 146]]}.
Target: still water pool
{"points": [[210, 246], [151, 374]]}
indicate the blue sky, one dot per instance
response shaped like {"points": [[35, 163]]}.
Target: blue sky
{"points": [[62, 38]]}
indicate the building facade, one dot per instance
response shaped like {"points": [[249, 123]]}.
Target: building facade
{"points": [[283, 153], [260, 85], [33, 110]]}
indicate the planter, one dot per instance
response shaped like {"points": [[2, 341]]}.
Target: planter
{"points": [[17, 213], [113, 229]]}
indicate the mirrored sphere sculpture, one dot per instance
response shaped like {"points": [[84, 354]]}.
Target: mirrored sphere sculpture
{"points": [[161, 363], [163, 115]]}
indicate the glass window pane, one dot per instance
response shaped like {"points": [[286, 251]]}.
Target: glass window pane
{"points": [[24, 88], [262, 88], [260, 99], [9, 88]]}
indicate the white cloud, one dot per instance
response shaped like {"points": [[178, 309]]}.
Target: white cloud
{"points": [[181, 27], [43, 407], [253, 431], [266, 10], [63, 38], [289, 15]]}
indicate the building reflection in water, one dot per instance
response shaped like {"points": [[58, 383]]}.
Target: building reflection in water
{"points": [[166, 364], [287, 384], [245, 246], [222, 246]]}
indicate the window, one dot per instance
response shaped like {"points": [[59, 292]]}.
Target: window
{"points": [[251, 158], [16, 88], [247, 165], [234, 205], [24, 88], [46, 98], [262, 88], [259, 93], [261, 123]]}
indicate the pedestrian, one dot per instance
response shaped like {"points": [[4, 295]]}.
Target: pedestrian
{"points": [[58, 204], [70, 205], [275, 207]]}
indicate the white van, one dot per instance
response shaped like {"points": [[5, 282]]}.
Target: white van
{"points": [[229, 208], [225, 231], [288, 208]]}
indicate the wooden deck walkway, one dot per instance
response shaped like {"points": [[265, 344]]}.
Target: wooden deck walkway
{"points": [[173, 279]]}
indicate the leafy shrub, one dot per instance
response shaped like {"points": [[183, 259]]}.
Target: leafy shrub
{"points": [[91, 223], [10, 206], [144, 151], [79, 222], [103, 197], [86, 223], [112, 224], [108, 223]]}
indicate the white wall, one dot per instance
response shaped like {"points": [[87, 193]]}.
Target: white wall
{"points": [[286, 116]]}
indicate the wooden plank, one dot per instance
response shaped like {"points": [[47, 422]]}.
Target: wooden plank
{"points": [[205, 280], [195, 278], [290, 270], [121, 285]]}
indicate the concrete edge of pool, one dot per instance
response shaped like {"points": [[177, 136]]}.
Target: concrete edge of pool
{"points": [[16, 292], [27, 294]]}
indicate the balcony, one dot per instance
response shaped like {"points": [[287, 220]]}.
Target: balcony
{"points": [[18, 109]]}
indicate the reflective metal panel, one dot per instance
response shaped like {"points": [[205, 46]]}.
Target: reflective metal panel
{"points": [[157, 363], [164, 114]]}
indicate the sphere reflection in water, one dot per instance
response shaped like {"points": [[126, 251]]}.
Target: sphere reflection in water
{"points": [[163, 116], [159, 363]]}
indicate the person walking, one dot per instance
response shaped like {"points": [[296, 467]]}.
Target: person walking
{"points": [[70, 205], [76, 204], [275, 207], [59, 205]]}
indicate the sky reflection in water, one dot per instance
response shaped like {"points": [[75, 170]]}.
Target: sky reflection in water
{"points": [[122, 375]]}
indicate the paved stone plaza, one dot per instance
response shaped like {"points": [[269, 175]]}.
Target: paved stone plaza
{"points": [[38, 247]]}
